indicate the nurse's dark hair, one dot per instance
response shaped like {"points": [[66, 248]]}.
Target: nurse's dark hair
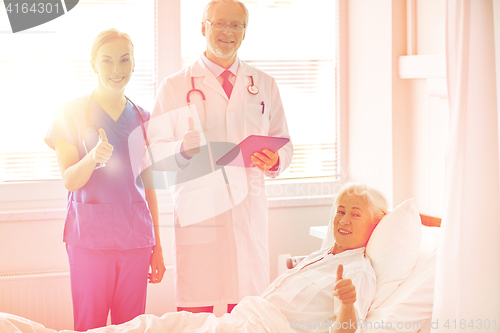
{"points": [[209, 6], [107, 36], [375, 200]]}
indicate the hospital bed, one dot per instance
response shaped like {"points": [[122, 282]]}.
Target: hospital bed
{"points": [[402, 252]]}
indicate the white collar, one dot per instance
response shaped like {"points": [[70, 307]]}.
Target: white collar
{"points": [[217, 70]]}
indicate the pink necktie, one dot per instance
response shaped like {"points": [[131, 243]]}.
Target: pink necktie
{"points": [[226, 85]]}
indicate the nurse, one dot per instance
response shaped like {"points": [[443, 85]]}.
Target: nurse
{"points": [[111, 226]]}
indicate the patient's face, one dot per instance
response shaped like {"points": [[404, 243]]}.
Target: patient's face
{"points": [[353, 224]]}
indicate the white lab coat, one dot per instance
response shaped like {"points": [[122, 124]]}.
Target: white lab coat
{"points": [[221, 232]]}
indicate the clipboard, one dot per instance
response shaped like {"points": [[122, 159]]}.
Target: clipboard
{"points": [[240, 155]]}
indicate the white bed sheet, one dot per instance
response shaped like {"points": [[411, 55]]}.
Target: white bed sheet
{"points": [[251, 315]]}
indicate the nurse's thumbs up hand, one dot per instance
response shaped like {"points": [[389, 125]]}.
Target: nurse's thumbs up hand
{"points": [[103, 150], [192, 140], [344, 289], [102, 135]]}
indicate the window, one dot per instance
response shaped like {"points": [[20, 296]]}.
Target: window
{"points": [[45, 66], [295, 42], [292, 40]]}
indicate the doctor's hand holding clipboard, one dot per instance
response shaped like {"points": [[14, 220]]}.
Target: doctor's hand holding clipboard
{"points": [[251, 149], [266, 160], [255, 151]]}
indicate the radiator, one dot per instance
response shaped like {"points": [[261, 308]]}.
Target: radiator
{"points": [[45, 297]]}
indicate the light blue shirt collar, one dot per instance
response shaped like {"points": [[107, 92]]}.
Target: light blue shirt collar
{"points": [[217, 70]]}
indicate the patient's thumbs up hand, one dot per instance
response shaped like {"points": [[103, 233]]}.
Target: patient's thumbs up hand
{"points": [[340, 271], [192, 139], [344, 289]]}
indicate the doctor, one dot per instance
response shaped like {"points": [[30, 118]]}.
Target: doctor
{"points": [[220, 213]]}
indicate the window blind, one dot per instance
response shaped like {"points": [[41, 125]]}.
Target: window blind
{"points": [[307, 77], [42, 68]]}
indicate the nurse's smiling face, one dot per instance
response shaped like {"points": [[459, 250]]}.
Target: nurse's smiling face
{"points": [[353, 223], [114, 64]]}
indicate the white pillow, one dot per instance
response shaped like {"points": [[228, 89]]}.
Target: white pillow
{"points": [[409, 308], [393, 249]]}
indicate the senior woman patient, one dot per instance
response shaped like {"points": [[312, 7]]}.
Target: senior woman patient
{"points": [[330, 290], [336, 284]]}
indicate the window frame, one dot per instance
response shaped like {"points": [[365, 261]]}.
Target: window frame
{"points": [[44, 200]]}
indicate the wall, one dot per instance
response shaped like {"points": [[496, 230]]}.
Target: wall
{"points": [[397, 131], [379, 102], [369, 93], [429, 113], [402, 133]]}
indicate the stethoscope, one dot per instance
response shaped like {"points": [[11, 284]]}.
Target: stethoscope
{"points": [[252, 89], [92, 128]]}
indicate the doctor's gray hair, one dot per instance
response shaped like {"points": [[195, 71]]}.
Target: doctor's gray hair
{"points": [[108, 36], [376, 200], [209, 6]]}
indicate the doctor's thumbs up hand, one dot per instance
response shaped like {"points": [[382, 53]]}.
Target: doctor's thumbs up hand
{"points": [[192, 140], [344, 290], [265, 160], [103, 150]]}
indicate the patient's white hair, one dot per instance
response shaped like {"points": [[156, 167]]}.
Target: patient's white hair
{"points": [[375, 200]]}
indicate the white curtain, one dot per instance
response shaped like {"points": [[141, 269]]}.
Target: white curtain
{"points": [[468, 266]]}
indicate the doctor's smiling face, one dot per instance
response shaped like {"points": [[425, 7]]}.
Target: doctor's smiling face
{"points": [[114, 63], [353, 223], [224, 30]]}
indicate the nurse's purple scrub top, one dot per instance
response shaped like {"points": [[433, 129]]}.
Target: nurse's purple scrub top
{"points": [[110, 211]]}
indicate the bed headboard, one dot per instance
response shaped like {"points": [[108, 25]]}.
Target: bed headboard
{"points": [[430, 221]]}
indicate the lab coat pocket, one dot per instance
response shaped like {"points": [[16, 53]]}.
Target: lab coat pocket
{"points": [[195, 217], [143, 225], [256, 121], [89, 225]]}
